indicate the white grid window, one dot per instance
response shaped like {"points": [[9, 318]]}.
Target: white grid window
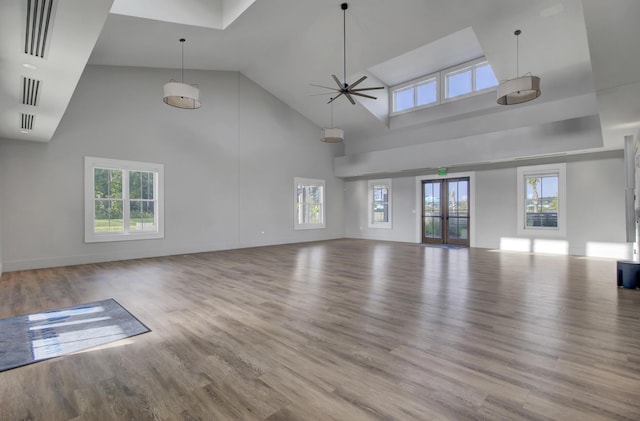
{"points": [[123, 200], [309, 203], [380, 203], [541, 200], [449, 84]]}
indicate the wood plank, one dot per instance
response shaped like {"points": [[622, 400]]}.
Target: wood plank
{"points": [[335, 330]]}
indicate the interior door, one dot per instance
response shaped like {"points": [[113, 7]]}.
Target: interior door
{"points": [[445, 211]]}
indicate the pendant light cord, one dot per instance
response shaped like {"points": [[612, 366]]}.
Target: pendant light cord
{"points": [[344, 44], [332, 113], [517, 56], [182, 75], [517, 34]]}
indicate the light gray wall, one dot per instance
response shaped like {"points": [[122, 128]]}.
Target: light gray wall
{"points": [[496, 204], [229, 169], [402, 218], [595, 208]]}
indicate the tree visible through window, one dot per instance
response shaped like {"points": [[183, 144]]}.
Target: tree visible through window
{"points": [[309, 204], [122, 200], [541, 203], [108, 200], [142, 200]]}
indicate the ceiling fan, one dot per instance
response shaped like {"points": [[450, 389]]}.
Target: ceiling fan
{"points": [[343, 87]]}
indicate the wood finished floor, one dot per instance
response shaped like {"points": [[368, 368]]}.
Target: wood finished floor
{"points": [[339, 330]]}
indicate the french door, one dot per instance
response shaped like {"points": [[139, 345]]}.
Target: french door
{"points": [[445, 211]]}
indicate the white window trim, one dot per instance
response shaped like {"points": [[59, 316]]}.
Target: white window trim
{"points": [[470, 64], [441, 85], [415, 83], [309, 182], [560, 169], [90, 163], [382, 182]]}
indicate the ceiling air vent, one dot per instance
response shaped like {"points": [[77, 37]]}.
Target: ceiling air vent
{"points": [[27, 121], [30, 91], [37, 24]]}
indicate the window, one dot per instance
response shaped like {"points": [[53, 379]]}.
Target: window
{"points": [[472, 77], [459, 82], [484, 77], [426, 93], [404, 99], [417, 94], [541, 200], [380, 203], [309, 203], [123, 200]]}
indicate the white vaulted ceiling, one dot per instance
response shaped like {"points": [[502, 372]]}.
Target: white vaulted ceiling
{"points": [[586, 53]]}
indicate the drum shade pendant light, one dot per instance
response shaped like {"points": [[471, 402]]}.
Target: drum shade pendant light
{"points": [[332, 134], [521, 89], [180, 94]]}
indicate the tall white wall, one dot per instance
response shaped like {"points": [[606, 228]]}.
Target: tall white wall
{"points": [[595, 209], [229, 169]]}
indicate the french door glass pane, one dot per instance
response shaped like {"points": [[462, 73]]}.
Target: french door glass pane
{"points": [[432, 227], [432, 199], [458, 198], [458, 228], [453, 228]]}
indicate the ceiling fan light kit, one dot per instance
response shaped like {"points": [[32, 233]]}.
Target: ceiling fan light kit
{"points": [[520, 89], [180, 94]]}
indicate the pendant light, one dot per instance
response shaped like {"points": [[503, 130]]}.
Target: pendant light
{"points": [[180, 94], [332, 134], [521, 89]]}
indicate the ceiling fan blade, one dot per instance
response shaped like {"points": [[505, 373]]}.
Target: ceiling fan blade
{"points": [[325, 87], [334, 98], [324, 93], [348, 95], [337, 81], [366, 96], [367, 89], [357, 82]]}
